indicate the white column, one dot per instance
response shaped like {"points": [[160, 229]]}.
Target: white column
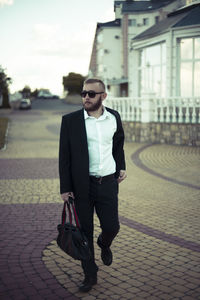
{"points": [[147, 108]]}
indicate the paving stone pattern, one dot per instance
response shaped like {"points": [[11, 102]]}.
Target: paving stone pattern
{"points": [[157, 252]]}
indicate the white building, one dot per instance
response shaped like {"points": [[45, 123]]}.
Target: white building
{"points": [[165, 59], [112, 55], [107, 56]]}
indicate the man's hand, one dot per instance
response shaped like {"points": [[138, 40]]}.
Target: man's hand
{"points": [[65, 196], [122, 176]]}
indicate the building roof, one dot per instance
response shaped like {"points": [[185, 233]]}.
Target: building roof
{"points": [[192, 18], [115, 23], [141, 6], [183, 17]]}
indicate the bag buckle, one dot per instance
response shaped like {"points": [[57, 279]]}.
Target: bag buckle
{"points": [[99, 179]]}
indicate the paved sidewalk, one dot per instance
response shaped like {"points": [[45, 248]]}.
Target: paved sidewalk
{"points": [[156, 253]]}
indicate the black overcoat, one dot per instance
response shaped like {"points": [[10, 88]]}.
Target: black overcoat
{"points": [[73, 153]]}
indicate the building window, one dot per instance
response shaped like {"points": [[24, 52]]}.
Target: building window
{"points": [[100, 68], [101, 52], [145, 21], [100, 38], [156, 19], [152, 70], [132, 22], [189, 49]]}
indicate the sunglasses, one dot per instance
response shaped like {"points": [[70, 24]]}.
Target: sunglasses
{"points": [[91, 94]]}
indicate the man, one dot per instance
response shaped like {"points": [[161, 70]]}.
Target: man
{"points": [[91, 164]]}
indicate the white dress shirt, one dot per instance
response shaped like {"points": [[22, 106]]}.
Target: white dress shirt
{"points": [[100, 143]]}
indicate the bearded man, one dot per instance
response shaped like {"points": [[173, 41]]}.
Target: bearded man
{"points": [[91, 165]]}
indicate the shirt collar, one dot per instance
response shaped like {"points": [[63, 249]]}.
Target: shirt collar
{"points": [[102, 117]]}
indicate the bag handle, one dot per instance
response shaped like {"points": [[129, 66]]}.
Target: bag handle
{"points": [[63, 214], [75, 213], [71, 209]]}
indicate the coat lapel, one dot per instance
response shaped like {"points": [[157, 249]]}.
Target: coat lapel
{"points": [[80, 133], [83, 133]]}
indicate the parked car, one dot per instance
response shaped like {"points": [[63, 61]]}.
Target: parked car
{"points": [[25, 104], [46, 95], [55, 97]]}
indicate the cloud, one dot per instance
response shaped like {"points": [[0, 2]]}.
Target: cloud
{"points": [[108, 15], [6, 2], [46, 31], [54, 40], [48, 40]]}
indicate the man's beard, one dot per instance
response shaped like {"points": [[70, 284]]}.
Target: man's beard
{"points": [[93, 106]]}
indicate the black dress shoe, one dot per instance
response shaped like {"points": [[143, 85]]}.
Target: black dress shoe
{"points": [[87, 283], [106, 254]]}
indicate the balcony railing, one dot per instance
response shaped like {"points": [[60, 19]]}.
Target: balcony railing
{"points": [[163, 110]]}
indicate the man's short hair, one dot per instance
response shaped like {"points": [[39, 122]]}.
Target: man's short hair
{"points": [[95, 80]]}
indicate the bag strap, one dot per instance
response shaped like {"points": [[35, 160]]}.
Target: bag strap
{"points": [[70, 213], [64, 213], [71, 209], [75, 214]]}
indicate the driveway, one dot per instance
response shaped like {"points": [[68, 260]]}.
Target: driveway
{"points": [[157, 252]]}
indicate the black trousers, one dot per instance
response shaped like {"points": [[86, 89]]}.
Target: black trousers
{"points": [[103, 197]]}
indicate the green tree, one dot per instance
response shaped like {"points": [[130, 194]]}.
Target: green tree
{"points": [[35, 93], [73, 83], [26, 92], [4, 87]]}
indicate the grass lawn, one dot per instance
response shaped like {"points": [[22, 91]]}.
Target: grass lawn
{"points": [[3, 129]]}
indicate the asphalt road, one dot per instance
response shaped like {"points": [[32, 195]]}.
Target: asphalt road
{"points": [[53, 104]]}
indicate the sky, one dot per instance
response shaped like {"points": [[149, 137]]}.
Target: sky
{"points": [[43, 40]]}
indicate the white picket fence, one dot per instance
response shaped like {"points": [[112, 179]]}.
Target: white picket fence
{"points": [[166, 110]]}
